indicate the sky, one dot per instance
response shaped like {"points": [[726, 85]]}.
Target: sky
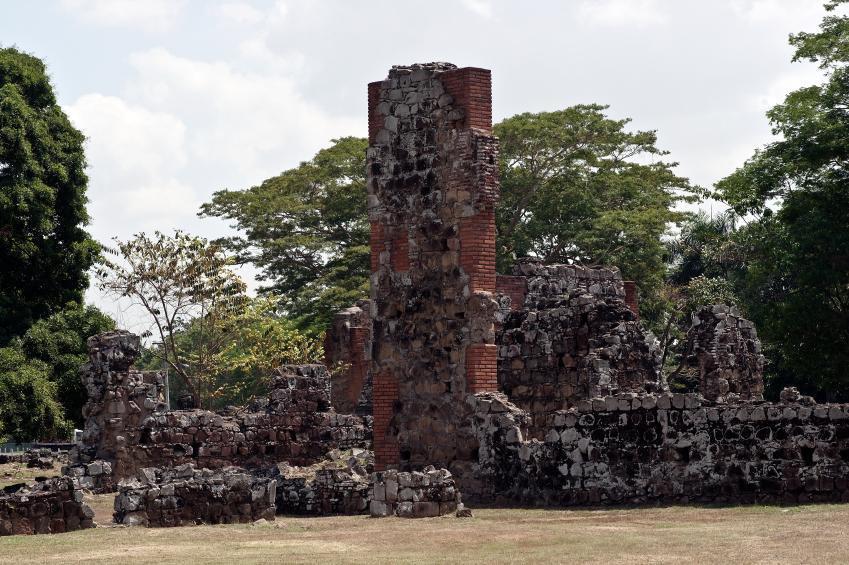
{"points": [[180, 98]]}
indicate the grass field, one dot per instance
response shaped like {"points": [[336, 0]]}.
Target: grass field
{"points": [[815, 534], [12, 473]]}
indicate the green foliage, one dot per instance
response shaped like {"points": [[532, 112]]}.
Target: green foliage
{"points": [[577, 187], [705, 246], [703, 291], [220, 344], [256, 340], [28, 406], [44, 251], [796, 190], [307, 230], [60, 343], [183, 283]]}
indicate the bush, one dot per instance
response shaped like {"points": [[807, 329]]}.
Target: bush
{"points": [[28, 406]]}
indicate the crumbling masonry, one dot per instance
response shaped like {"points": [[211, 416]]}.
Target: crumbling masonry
{"points": [[432, 190], [542, 386], [538, 387], [127, 427]]}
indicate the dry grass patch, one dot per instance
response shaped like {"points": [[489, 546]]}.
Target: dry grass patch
{"points": [[13, 473], [647, 535]]}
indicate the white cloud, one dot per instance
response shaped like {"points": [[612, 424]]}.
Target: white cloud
{"points": [[617, 13], [482, 8], [773, 11], [256, 48], [253, 124], [149, 15], [135, 157], [781, 86], [239, 12], [279, 11]]}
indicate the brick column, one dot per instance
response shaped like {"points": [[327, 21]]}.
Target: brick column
{"points": [[631, 297], [385, 445], [433, 185]]}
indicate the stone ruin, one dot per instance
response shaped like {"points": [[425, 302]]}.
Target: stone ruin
{"points": [[128, 428], [425, 494], [568, 336], [49, 506], [727, 352], [541, 387], [432, 188], [184, 495]]}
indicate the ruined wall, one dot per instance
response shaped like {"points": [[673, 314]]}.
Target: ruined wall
{"points": [[328, 491], [128, 427], [432, 189], [727, 352], [51, 506], [347, 351], [184, 496], [95, 476], [425, 494], [120, 399], [667, 448], [573, 337]]}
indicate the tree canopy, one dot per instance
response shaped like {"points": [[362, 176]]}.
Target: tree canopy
{"points": [[578, 187], [218, 342], [59, 342], [795, 193], [307, 230], [44, 250]]}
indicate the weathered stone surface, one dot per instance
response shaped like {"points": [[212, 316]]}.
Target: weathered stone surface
{"points": [[722, 453], [727, 352], [347, 350], [51, 506], [184, 495], [425, 494], [334, 490], [573, 338], [432, 185], [128, 428], [95, 476]]}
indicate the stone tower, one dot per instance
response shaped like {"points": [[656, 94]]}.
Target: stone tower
{"points": [[432, 190]]}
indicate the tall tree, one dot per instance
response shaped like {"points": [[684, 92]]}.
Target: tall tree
{"points": [[307, 230], [796, 190], [181, 282], [577, 186], [44, 250], [218, 343]]}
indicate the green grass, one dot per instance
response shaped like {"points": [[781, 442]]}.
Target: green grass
{"points": [[755, 534]]}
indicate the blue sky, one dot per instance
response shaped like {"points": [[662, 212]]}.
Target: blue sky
{"points": [[182, 98]]}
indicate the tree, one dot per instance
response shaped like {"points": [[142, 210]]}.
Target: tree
{"points": [[44, 250], [307, 230], [28, 406], [256, 341], [573, 189], [705, 247], [183, 283], [220, 343], [60, 343], [577, 187], [796, 190]]}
